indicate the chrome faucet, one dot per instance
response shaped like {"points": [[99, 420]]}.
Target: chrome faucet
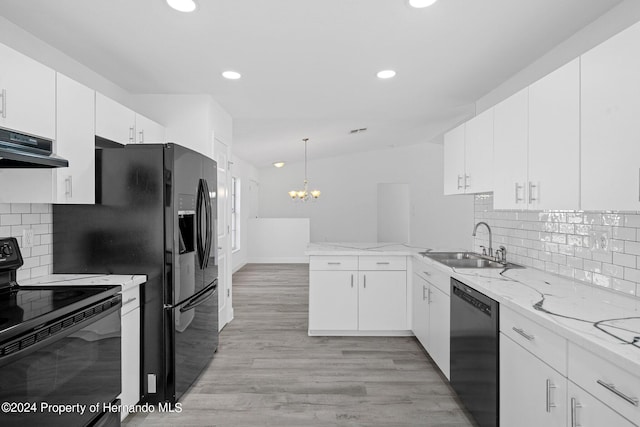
{"points": [[490, 249]]}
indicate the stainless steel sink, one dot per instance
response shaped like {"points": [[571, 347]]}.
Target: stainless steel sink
{"points": [[467, 260], [438, 256]]}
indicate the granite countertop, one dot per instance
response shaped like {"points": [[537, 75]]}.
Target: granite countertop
{"points": [[125, 281], [362, 249], [604, 322]]}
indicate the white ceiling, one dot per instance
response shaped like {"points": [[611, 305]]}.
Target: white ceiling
{"points": [[309, 66]]}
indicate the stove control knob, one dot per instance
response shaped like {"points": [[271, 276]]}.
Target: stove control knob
{"points": [[6, 250]]}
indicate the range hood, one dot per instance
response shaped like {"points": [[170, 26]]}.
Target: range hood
{"points": [[18, 150]]}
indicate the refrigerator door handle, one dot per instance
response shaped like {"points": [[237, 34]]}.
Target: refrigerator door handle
{"points": [[209, 231], [201, 198], [196, 296], [201, 297]]}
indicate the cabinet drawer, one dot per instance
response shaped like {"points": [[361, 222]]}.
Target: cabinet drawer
{"points": [[612, 385], [538, 340], [382, 263], [434, 276], [130, 299], [333, 262]]}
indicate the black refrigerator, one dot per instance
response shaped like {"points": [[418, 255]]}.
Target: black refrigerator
{"points": [[155, 214]]}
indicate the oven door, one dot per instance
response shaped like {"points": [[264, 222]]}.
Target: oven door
{"points": [[62, 373]]}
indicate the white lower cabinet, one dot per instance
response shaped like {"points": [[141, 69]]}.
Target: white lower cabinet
{"points": [[431, 308], [532, 394], [587, 411], [420, 309], [382, 301], [333, 300], [345, 300], [130, 350]]}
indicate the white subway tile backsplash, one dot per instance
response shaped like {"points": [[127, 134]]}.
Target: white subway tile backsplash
{"points": [[17, 217], [599, 248]]}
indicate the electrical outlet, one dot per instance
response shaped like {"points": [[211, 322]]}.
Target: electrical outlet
{"points": [[27, 238], [599, 241]]}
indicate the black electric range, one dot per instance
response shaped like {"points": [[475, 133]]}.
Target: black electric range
{"points": [[59, 348]]}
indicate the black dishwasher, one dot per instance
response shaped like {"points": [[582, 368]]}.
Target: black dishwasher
{"points": [[474, 352]]}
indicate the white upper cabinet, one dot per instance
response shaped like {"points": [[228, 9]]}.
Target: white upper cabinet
{"points": [[554, 140], [537, 144], [148, 131], [75, 142], [454, 161], [510, 137], [468, 156], [610, 101], [478, 154], [114, 121], [118, 123], [28, 95]]}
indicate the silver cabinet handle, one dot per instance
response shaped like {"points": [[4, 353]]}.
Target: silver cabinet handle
{"points": [[383, 263], [524, 334], [531, 187], [352, 280], [365, 281], [518, 188], [426, 273], [424, 288], [467, 177], [612, 388], [574, 412], [3, 94], [429, 294], [141, 133], [68, 187], [132, 134], [459, 179], [550, 404], [329, 263]]}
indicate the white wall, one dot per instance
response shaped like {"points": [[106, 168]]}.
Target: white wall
{"points": [[609, 24], [249, 188], [278, 240], [347, 208]]}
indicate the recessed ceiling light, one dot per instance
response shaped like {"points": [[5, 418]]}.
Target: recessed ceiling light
{"points": [[183, 5], [231, 75], [278, 164], [386, 74], [421, 3]]}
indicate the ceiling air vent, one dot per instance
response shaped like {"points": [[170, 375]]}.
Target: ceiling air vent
{"points": [[353, 131]]}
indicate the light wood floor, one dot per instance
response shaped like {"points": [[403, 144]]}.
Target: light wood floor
{"points": [[268, 372]]}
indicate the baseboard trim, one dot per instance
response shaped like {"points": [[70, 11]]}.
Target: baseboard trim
{"points": [[323, 333], [279, 260]]}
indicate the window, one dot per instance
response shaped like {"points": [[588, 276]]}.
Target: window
{"points": [[235, 213]]}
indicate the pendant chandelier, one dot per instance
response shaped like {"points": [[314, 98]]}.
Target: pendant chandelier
{"points": [[304, 194]]}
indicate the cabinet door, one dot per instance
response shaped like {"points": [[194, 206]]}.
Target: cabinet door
{"points": [[478, 153], [333, 300], [510, 138], [587, 411], [532, 394], [28, 94], [554, 140], [382, 301], [114, 121], [420, 310], [75, 105], [130, 359], [610, 107], [439, 328], [148, 131], [454, 161]]}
